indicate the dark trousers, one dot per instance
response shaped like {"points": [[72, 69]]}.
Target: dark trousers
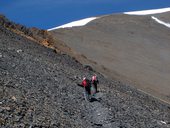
{"points": [[95, 85], [87, 88]]}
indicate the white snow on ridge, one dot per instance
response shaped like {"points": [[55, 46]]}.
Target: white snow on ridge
{"points": [[75, 23], [147, 12], [83, 22], [153, 11], [161, 22]]}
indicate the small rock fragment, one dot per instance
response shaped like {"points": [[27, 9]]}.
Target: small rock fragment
{"points": [[2, 121], [6, 108], [19, 50], [163, 122], [14, 98]]}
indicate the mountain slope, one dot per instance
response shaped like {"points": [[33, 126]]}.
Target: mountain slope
{"points": [[38, 88], [129, 48], [164, 16]]}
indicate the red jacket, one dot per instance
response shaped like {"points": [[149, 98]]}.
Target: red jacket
{"points": [[84, 83], [95, 80]]}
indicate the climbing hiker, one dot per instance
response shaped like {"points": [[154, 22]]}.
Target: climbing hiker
{"points": [[95, 81], [86, 84]]}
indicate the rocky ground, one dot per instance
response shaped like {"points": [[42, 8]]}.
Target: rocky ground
{"points": [[128, 48], [38, 89]]}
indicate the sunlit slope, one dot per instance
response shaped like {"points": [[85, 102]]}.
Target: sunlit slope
{"points": [[134, 49]]}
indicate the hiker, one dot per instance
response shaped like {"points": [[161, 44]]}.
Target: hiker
{"points": [[95, 81], [86, 84]]}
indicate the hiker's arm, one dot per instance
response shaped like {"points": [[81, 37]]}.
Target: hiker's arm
{"points": [[97, 81], [80, 85]]}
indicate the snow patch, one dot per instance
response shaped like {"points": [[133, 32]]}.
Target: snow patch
{"points": [[147, 12], [161, 22], [75, 23]]}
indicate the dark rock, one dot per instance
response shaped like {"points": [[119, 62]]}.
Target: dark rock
{"points": [[46, 94], [2, 121], [88, 67]]}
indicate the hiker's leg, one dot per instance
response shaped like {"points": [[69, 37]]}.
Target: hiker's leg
{"points": [[95, 85], [89, 91]]}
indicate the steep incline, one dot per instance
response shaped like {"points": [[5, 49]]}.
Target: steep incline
{"points": [[38, 88], [132, 49]]}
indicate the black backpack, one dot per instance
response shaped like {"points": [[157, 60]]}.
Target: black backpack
{"points": [[88, 82]]}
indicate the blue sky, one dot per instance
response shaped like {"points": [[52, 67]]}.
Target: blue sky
{"points": [[47, 14]]}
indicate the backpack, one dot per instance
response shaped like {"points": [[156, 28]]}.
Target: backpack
{"points": [[88, 82]]}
